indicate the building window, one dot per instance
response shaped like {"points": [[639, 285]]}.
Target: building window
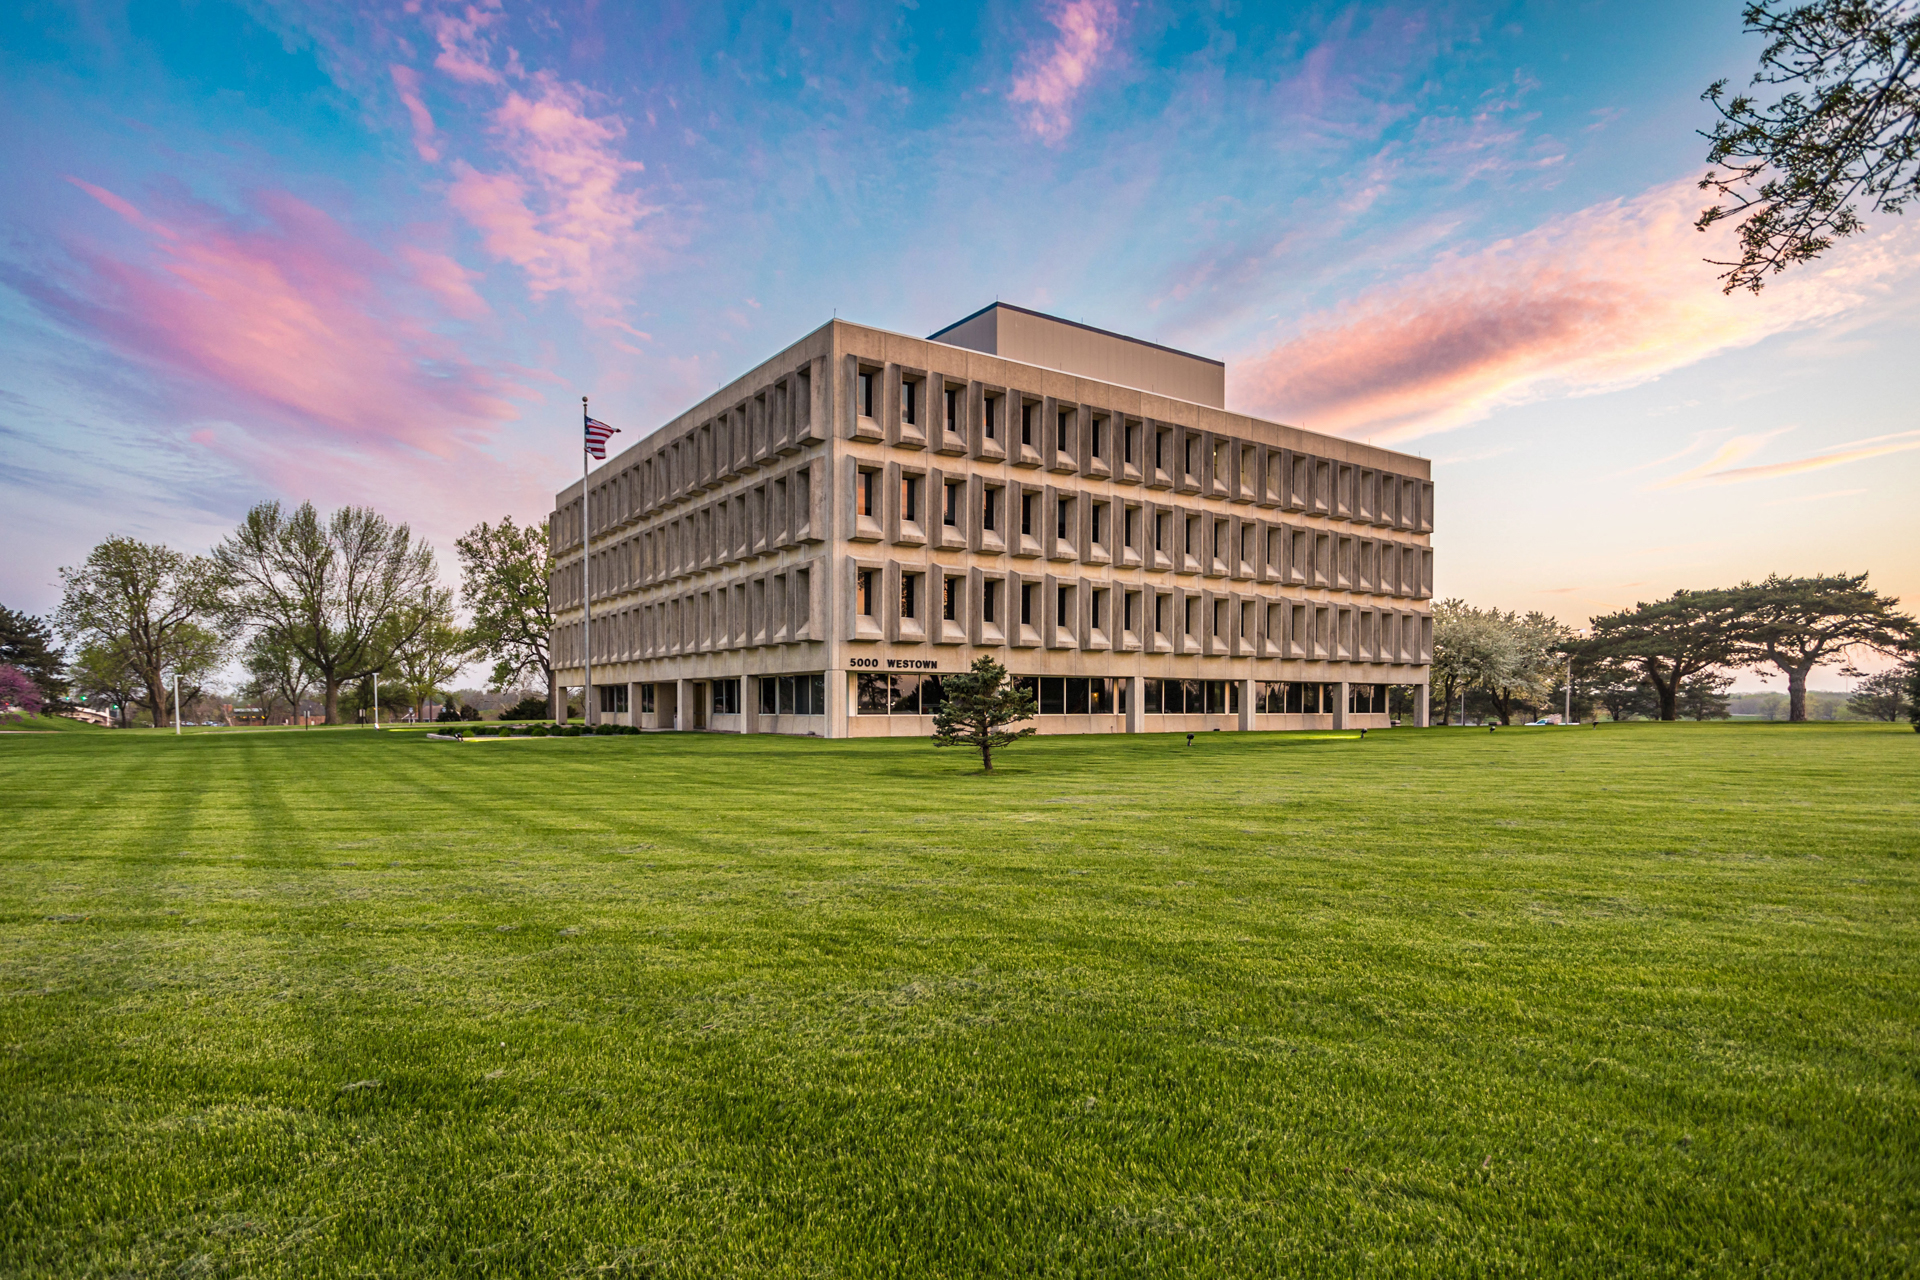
{"points": [[1063, 428], [1026, 424], [950, 602], [863, 592], [1126, 442], [800, 695], [1062, 511], [1026, 605], [1026, 514], [1062, 615], [1192, 523], [726, 697], [1098, 604], [909, 402], [1095, 522], [1160, 614], [866, 395], [646, 699], [1127, 607], [1193, 443], [863, 484], [953, 408], [613, 699], [909, 585], [951, 516], [1097, 440], [1160, 450], [1220, 619], [989, 499], [989, 596], [1130, 519], [1070, 695], [1188, 620], [1160, 523], [910, 498], [990, 425]]}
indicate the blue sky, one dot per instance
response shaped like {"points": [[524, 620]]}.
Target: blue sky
{"points": [[375, 254]]}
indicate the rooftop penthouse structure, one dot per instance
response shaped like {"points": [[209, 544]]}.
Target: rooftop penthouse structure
{"points": [[813, 547]]}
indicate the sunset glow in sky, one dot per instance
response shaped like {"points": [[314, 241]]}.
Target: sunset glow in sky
{"points": [[376, 253]]}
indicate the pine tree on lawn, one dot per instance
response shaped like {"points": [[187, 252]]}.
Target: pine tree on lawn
{"points": [[978, 708]]}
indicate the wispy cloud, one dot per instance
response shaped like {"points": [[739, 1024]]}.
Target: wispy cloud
{"points": [[406, 81], [290, 329], [1717, 471], [1610, 297], [1056, 74]]}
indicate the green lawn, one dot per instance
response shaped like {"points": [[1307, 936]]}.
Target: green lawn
{"points": [[1636, 1000]]}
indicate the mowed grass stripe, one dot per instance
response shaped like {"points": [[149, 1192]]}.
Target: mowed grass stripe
{"points": [[1634, 1000]]}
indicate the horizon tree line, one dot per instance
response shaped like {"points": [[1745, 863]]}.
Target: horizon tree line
{"points": [[309, 606], [1675, 656]]}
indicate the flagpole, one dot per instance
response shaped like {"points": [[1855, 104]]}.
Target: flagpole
{"points": [[586, 575]]}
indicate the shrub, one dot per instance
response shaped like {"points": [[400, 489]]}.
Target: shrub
{"points": [[448, 715], [528, 708], [538, 731]]}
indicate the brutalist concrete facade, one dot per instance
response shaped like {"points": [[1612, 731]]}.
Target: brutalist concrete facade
{"points": [[809, 548]]}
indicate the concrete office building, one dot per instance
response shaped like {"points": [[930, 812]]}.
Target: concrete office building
{"points": [[808, 550]]}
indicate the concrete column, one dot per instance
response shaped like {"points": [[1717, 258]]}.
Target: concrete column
{"points": [[839, 702], [1422, 712], [1340, 706], [1246, 704], [1135, 692], [749, 704], [683, 704], [633, 703]]}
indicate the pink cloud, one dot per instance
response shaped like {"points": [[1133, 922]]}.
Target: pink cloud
{"points": [[1609, 297], [1055, 76], [1716, 470], [292, 329], [563, 214], [448, 281], [466, 52], [407, 81]]}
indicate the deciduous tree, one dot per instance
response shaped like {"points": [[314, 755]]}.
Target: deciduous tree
{"points": [[148, 610], [979, 708], [1845, 130], [439, 648], [277, 671], [1798, 624], [102, 673], [505, 573], [334, 590]]}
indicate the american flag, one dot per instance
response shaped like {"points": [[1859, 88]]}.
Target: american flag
{"points": [[597, 433]]}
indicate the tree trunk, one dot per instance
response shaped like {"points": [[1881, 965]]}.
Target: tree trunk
{"points": [[986, 757], [333, 701], [554, 705], [157, 700], [1797, 695]]}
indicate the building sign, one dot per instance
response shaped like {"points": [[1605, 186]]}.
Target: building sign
{"points": [[896, 664]]}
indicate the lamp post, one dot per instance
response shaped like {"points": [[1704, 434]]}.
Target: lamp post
{"points": [[376, 700], [176, 704]]}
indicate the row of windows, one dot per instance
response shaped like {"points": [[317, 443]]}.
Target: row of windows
{"points": [[804, 695], [1314, 627], [1065, 526], [880, 695], [1072, 438], [764, 426], [777, 608]]}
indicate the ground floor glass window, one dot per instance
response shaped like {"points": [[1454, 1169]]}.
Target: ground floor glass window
{"points": [[793, 695]]}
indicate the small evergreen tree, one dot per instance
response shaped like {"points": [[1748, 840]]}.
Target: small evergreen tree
{"points": [[1704, 696], [978, 708]]}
